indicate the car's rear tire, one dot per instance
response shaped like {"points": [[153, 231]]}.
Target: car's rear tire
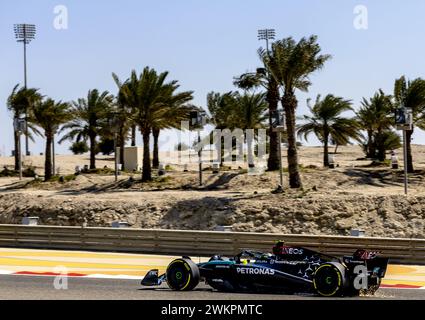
{"points": [[182, 275], [330, 280]]}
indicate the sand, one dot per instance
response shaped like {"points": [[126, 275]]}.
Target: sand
{"points": [[351, 196]]}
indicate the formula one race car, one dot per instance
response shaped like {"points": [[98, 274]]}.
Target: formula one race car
{"points": [[286, 270]]}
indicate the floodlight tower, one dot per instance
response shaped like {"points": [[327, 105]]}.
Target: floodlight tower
{"points": [[270, 34], [266, 34], [25, 33]]}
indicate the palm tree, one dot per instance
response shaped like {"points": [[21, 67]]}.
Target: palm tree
{"points": [[291, 64], [375, 117], [411, 95], [148, 94], [221, 108], [20, 101], [125, 113], [232, 110], [250, 112], [366, 118], [327, 123], [386, 140], [177, 111], [50, 115], [264, 79], [91, 116]]}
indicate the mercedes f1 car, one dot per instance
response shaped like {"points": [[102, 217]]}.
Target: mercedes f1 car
{"points": [[286, 270]]}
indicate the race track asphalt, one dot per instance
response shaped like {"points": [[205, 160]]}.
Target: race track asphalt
{"points": [[42, 288]]}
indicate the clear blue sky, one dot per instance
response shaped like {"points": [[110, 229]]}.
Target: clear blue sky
{"points": [[204, 44]]}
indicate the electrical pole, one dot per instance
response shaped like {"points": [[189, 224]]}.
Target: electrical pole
{"points": [[404, 122], [196, 123]]}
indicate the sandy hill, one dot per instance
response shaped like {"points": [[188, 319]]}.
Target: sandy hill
{"points": [[353, 196]]}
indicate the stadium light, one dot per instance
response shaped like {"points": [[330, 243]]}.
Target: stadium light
{"points": [[266, 34], [277, 117], [25, 33]]}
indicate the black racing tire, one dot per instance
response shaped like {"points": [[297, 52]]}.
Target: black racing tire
{"points": [[330, 280], [182, 275]]}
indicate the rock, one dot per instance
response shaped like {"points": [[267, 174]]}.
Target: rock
{"points": [[344, 224], [378, 215]]}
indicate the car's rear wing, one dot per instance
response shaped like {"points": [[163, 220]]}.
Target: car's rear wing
{"points": [[376, 265]]}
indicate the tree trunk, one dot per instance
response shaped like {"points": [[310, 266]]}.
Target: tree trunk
{"points": [[147, 170], [155, 160], [273, 101], [218, 146], [381, 154], [121, 145], [289, 103], [326, 150], [92, 138], [371, 152], [48, 157], [410, 168], [380, 147], [249, 142], [16, 137], [53, 155], [133, 135]]}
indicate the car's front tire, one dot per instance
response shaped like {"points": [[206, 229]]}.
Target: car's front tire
{"points": [[182, 275]]}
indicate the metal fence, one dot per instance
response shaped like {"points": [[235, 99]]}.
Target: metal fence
{"points": [[197, 243]]}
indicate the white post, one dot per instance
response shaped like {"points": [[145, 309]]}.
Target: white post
{"points": [[116, 157], [280, 159], [405, 162], [20, 155]]}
